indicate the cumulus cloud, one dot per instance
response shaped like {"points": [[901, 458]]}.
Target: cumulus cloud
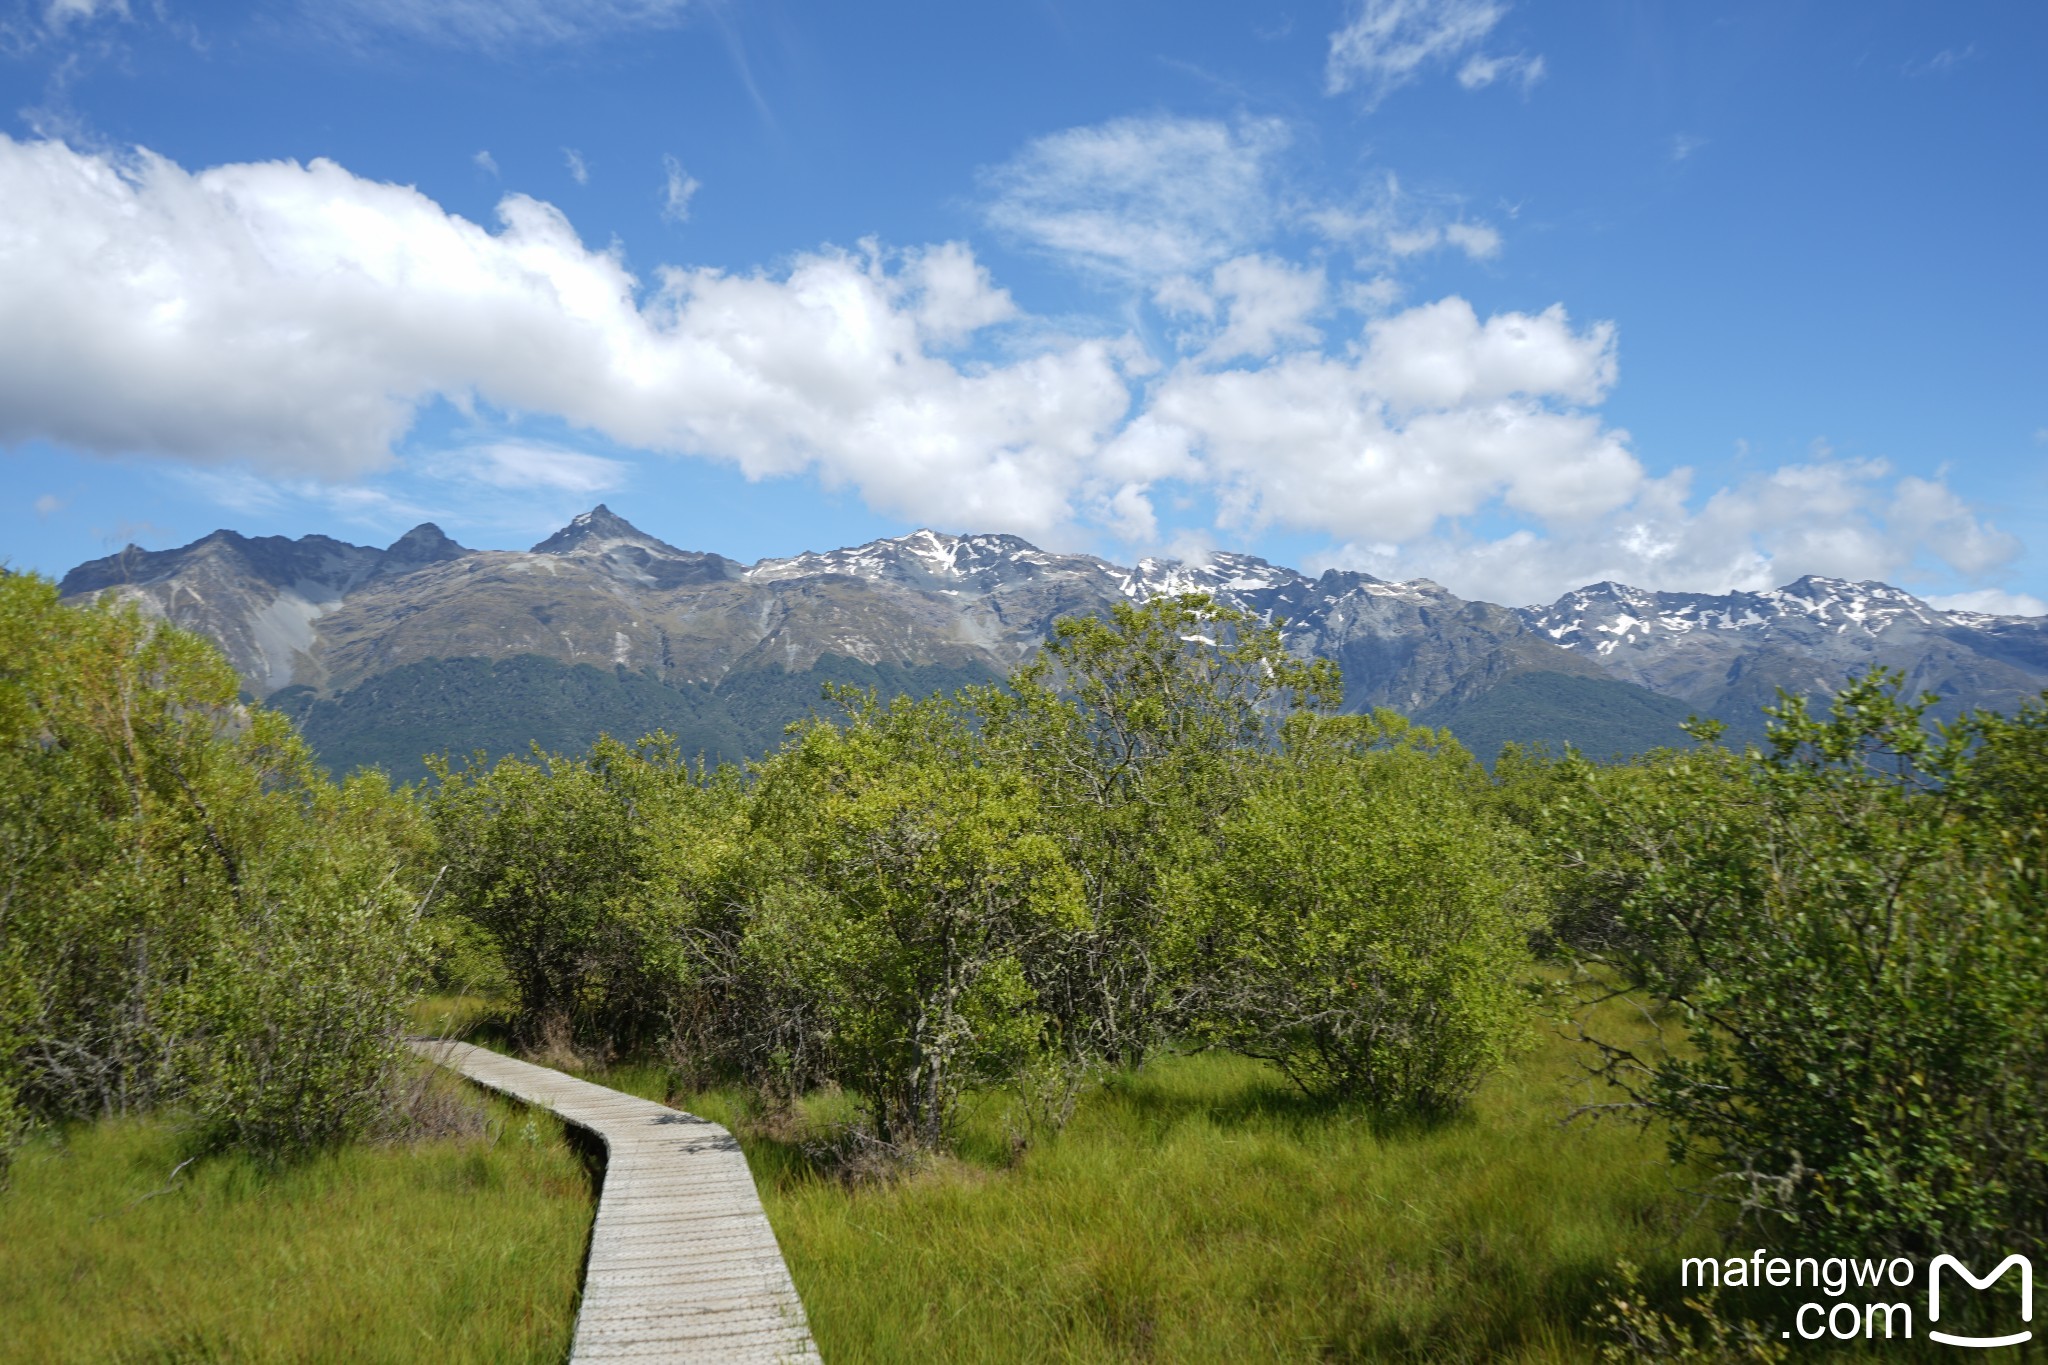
{"points": [[1250, 306], [579, 169], [275, 329], [486, 163], [1141, 198], [297, 317], [497, 24], [1266, 305], [1389, 43], [678, 188], [1433, 414]]}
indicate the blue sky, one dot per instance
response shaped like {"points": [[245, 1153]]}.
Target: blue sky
{"points": [[1516, 297]]}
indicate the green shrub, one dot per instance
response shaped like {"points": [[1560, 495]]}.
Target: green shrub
{"points": [[1138, 732], [551, 857], [303, 1001], [1854, 930], [177, 874], [905, 880], [1369, 919]]}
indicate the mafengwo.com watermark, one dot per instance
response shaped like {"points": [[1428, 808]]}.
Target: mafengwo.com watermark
{"points": [[1860, 1299]]}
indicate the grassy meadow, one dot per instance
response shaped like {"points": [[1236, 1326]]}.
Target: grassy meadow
{"points": [[460, 1248], [1201, 1209]]}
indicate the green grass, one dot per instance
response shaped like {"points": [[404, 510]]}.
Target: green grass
{"points": [[1201, 1210], [452, 1249]]}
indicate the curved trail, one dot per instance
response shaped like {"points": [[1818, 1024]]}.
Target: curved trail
{"points": [[683, 1265]]}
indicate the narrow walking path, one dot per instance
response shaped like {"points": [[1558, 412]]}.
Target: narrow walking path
{"points": [[683, 1265]]}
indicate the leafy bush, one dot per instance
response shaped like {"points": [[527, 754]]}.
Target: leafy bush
{"points": [[550, 856], [1852, 925], [1369, 918], [175, 872], [1137, 732], [906, 880], [301, 1002]]}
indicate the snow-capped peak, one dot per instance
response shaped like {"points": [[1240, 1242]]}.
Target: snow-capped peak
{"points": [[600, 530], [1605, 616]]}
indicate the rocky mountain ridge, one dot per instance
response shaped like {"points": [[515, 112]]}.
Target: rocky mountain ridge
{"points": [[317, 621]]}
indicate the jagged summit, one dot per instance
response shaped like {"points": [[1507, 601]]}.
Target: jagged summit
{"points": [[425, 543], [601, 529]]}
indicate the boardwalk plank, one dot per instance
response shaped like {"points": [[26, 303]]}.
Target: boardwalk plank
{"points": [[683, 1265]]}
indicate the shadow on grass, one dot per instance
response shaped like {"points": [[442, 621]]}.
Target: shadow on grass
{"points": [[1266, 1099]]}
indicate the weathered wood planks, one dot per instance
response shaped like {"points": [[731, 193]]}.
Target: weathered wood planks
{"points": [[683, 1265]]}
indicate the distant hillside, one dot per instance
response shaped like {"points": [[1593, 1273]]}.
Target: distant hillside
{"points": [[429, 645], [504, 706], [1598, 717]]}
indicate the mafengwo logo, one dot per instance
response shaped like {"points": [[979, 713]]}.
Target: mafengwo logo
{"points": [[1850, 1319], [2026, 1269]]}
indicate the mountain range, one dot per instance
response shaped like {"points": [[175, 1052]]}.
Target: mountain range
{"points": [[426, 646]]}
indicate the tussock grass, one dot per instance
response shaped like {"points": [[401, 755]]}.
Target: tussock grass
{"points": [[1202, 1210], [466, 1248], [1198, 1212]]}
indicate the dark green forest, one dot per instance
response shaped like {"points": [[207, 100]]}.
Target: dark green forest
{"points": [[505, 706]]}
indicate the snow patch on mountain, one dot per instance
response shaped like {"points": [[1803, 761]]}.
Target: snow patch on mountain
{"points": [[1603, 617]]}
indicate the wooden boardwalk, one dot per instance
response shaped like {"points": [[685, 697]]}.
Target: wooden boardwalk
{"points": [[683, 1265]]}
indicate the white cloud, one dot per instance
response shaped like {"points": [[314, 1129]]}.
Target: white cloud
{"points": [[522, 465], [1266, 305], [579, 169], [1387, 223], [1141, 198], [1145, 201], [297, 317], [276, 328], [1683, 145], [1434, 415], [499, 24], [952, 294], [1480, 71], [48, 505], [1183, 296], [486, 163], [1927, 512], [1371, 297], [1839, 518], [1440, 355], [1388, 43], [1250, 306], [58, 14], [678, 188], [1992, 602], [252, 492], [1476, 240]]}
